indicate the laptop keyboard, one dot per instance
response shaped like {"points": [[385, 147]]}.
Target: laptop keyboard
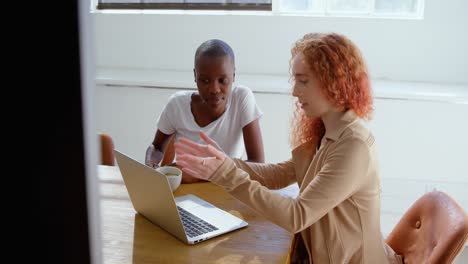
{"points": [[193, 225]]}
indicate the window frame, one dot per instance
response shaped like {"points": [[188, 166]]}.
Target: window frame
{"points": [[228, 6], [274, 8]]}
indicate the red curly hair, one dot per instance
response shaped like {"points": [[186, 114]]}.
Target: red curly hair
{"points": [[341, 71]]}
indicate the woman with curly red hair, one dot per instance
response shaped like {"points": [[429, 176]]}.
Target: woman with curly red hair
{"points": [[336, 216]]}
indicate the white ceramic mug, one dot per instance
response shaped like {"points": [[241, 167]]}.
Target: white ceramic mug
{"points": [[173, 174]]}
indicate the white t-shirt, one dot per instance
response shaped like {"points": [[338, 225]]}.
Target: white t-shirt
{"points": [[241, 109]]}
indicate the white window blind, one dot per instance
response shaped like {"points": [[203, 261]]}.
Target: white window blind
{"points": [[398, 8]]}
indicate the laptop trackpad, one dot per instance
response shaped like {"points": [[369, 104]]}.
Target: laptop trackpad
{"points": [[191, 201], [208, 212]]}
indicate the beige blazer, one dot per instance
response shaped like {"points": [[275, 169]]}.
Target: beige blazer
{"points": [[337, 212]]}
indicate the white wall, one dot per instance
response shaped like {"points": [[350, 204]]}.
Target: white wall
{"points": [[428, 50]]}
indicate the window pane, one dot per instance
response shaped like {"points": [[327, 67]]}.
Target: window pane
{"points": [[348, 6], [301, 5], [294, 5], [396, 6]]}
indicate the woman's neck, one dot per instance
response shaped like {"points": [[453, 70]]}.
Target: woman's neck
{"points": [[331, 118], [202, 112], [212, 112]]}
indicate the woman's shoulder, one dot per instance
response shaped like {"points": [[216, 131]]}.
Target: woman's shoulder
{"points": [[242, 95], [304, 147], [241, 91], [180, 97], [357, 133]]}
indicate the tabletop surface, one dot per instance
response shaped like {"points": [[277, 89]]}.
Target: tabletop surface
{"points": [[128, 237]]}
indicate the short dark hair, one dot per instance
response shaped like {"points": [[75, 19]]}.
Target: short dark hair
{"points": [[214, 48]]}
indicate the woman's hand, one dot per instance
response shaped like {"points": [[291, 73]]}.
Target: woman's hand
{"points": [[152, 157], [199, 160], [210, 141], [186, 178]]}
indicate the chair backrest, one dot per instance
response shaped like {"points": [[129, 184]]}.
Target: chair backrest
{"points": [[433, 230], [107, 150]]}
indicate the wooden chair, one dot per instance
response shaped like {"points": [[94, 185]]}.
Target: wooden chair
{"points": [[107, 150], [433, 230]]}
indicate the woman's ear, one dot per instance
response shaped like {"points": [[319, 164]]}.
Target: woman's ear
{"points": [[234, 75], [194, 75]]}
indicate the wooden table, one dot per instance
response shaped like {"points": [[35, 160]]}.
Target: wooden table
{"points": [[129, 238]]}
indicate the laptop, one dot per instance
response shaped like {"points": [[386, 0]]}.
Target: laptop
{"points": [[188, 217]]}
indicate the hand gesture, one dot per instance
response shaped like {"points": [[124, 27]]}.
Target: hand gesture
{"points": [[199, 160]]}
